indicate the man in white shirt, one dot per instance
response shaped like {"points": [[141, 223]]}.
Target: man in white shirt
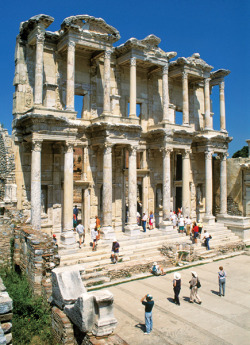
{"points": [[81, 233], [144, 222], [207, 238]]}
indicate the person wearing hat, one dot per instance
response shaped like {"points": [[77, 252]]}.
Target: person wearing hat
{"points": [[157, 270], [55, 240], [177, 287], [194, 288], [115, 251], [149, 303]]}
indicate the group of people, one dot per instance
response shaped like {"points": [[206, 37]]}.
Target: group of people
{"points": [[194, 285], [144, 219]]}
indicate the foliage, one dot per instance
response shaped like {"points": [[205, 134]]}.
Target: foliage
{"points": [[31, 323], [241, 153]]}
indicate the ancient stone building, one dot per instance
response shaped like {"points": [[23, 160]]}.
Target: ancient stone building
{"points": [[114, 129]]}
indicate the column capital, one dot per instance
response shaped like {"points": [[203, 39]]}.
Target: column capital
{"points": [[36, 145], [208, 154], [207, 81], [71, 45], [40, 37], [184, 75], [166, 151], [223, 155], [69, 145], [165, 69], [132, 150], [222, 85], [186, 153], [107, 147], [133, 61], [107, 54]]}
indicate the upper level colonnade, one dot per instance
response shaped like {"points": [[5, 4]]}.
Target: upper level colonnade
{"points": [[93, 39]]}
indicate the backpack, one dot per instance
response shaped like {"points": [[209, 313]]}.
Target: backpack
{"points": [[198, 284]]}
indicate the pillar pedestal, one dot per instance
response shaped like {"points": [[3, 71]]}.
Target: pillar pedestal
{"points": [[68, 240], [132, 230], [166, 225]]}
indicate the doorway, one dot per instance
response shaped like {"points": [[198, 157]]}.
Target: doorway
{"points": [[178, 198]]}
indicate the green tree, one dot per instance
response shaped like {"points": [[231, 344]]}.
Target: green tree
{"points": [[241, 153]]}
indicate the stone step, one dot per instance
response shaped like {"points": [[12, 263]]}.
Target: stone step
{"points": [[96, 281]]}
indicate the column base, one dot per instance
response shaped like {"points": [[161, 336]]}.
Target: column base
{"points": [[108, 232], [132, 230], [209, 220], [166, 225], [68, 240], [221, 217]]}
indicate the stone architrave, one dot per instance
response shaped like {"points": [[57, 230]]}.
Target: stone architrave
{"points": [[185, 103], [36, 184], [132, 110], [70, 92], [132, 228], [106, 94], [38, 99], [107, 228], [67, 285], [166, 183], [209, 218], [106, 322], [185, 183]]}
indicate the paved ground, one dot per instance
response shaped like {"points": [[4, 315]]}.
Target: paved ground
{"points": [[218, 320]]}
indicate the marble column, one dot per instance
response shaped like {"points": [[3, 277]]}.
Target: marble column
{"points": [[36, 184], [68, 187], [208, 119], [185, 183], [70, 92], [132, 228], [132, 99], [106, 93], [222, 107], [209, 218], [107, 228], [38, 97], [185, 103], [165, 93], [223, 183], [166, 189]]}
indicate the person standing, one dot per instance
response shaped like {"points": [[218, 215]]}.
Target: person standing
{"points": [[151, 220], [177, 287], [75, 212], [200, 227], [81, 233], [188, 225], [94, 234], [207, 238], [195, 231], [149, 304], [181, 224], [222, 280], [98, 227], [144, 221], [115, 251], [194, 288]]}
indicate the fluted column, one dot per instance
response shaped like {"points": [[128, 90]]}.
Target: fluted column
{"points": [[223, 183], [132, 112], [208, 187], [222, 107], [68, 187], [185, 183], [165, 93], [185, 103], [38, 98], [36, 184], [107, 186], [106, 95], [208, 119], [132, 187], [70, 92], [166, 183]]}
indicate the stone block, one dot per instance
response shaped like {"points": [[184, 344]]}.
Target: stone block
{"points": [[82, 313], [67, 286], [2, 287], [5, 303]]}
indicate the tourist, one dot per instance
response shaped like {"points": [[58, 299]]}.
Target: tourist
{"points": [[75, 212], [177, 287], [194, 285], [149, 303], [138, 218], [81, 233], [98, 227], [181, 224], [144, 221], [207, 238], [222, 281], [74, 222], [151, 220], [55, 240], [188, 225], [157, 269], [94, 234], [174, 220], [195, 231], [115, 251], [200, 226]]}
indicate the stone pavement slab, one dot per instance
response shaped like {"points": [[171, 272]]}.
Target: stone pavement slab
{"points": [[218, 320]]}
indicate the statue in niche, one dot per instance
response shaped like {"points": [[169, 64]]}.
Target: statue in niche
{"points": [[199, 196], [43, 201]]}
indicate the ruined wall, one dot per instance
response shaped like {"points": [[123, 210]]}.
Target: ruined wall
{"points": [[6, 307]]}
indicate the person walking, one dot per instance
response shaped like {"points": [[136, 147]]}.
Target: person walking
{"points": [[222, 281], [81, 233], [207, 238], [177, 287], [144, 221], [149, 304], [200, 226], [194, 283]]}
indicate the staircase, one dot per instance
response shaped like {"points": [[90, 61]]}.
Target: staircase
{"points": [[137, 254]]}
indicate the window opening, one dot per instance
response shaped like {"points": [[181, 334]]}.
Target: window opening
{"points": [[178, 167], [138, 109], [79, 102], [178, 117]]}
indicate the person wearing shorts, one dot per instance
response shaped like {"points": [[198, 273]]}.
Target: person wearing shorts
{"points": [[81, 233]]}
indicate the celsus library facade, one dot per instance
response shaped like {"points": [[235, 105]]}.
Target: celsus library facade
{"points": [[112, 129]]}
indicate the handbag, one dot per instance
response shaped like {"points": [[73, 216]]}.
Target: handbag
{"points": [[198, 284]]}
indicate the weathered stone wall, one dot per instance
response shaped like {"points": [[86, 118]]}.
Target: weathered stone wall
{"points": [[6, 307], [6, 234]]}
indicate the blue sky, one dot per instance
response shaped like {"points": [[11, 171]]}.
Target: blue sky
{"points": [[217, 29]]}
